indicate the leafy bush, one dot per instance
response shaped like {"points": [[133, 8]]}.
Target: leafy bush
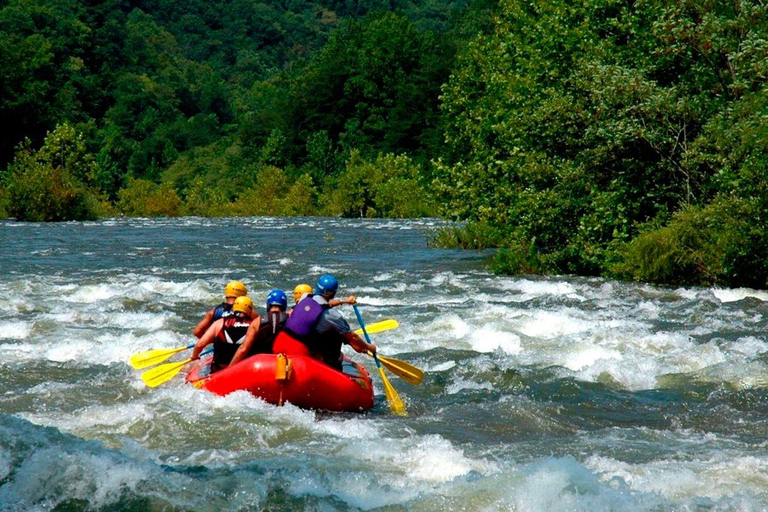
{"points": [[386, 187], [142, 198], [471, 235], [49, 184], [206, 201], [714, 245], [276, 195]]}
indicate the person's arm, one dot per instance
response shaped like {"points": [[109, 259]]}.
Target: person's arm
{"points": [[204, 324], [250, 339], [206, 339], [358, 343], [351, 300]]}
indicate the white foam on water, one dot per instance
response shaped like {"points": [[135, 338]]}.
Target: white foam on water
{"points": [[459, 385], [381, 301], [284, 261], [489, 339], [736, 294], [89, 294], [716, 475], [637, 363], [530, 289], [318, 269], [447, 326], [444, 366], [101, 419], [377, 476], [435, 459], [548, 324], [50, 475], [18, 330], [748, 346]]}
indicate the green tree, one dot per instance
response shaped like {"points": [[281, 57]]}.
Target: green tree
{"points": [[49, 184], [142, 198], [385, 187]]}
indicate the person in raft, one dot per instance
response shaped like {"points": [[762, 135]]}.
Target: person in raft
{"points": [[263, 330], [227, 334], [303, 289], [232, 291], [315, 329]]}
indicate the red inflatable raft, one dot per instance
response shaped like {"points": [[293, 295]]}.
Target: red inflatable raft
{"points": [[300, 380]]}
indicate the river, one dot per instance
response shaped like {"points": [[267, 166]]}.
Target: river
{"points": [[541, 393]]}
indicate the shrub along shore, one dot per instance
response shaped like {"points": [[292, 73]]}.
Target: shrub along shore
{"points": [[594, 137]]}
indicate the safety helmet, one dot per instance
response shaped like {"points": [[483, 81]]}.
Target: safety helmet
{"points": [[277, 298], [244, 305], [327, 285], [301, 290], [235, 289]]}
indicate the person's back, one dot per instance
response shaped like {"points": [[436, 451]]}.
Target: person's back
{"points": [[232, 291], [315, 329], [227, 334], [263, 331]]}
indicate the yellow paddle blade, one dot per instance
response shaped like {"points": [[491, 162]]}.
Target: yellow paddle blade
{"points": [[396, 405], [384, 325], [162, 373], [155, 356], [405, 371]]}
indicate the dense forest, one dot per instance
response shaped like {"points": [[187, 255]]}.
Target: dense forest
{"points": [[597, 137]]}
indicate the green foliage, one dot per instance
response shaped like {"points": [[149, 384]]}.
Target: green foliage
{"points": [[716, 244], [470, 235], [374, 85], [50, 184], [276, 195], [205, 201], [3, 204], [571, 124], [142, 198], [385, 187]]}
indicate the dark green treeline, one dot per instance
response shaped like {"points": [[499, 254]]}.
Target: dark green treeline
{"points": [[597, 137]]}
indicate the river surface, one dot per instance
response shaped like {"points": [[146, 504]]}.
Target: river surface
{"points": [[541, 393]]}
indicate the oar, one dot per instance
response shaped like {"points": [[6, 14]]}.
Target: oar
{"points": [[405, 371], [395, 403], [155, 356], [165, 372], [384, 325]]}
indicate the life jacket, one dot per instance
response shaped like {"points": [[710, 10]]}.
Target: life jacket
{"points": [[223, 310], [272, 323], [327, 348], [301, 324], [228, 340]]}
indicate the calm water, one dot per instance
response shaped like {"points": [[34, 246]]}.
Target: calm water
{"points": [[555, 393]]}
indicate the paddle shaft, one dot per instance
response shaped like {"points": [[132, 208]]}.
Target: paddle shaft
{"points": [[396, 404]]}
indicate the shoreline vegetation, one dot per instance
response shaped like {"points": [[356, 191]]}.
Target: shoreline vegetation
{"points": [[595, 137]]}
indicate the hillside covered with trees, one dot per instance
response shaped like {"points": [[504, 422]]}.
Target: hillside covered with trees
{"points": [[597, 137]]}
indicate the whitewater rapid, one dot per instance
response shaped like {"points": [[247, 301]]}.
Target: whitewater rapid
{"points": [[542, 393]]}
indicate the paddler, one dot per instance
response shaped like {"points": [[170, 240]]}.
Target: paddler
{"points": [[263, 330], [315, 328], [232, 291], [227, 334]]}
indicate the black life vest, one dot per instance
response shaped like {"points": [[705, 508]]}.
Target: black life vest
{"points": [[272, 322], [228, 340]]}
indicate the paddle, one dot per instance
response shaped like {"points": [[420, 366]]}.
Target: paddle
{"points": [[384, 325], [165, 372], [155, 356], [405, 371], [396, 405], [158, 355]]}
